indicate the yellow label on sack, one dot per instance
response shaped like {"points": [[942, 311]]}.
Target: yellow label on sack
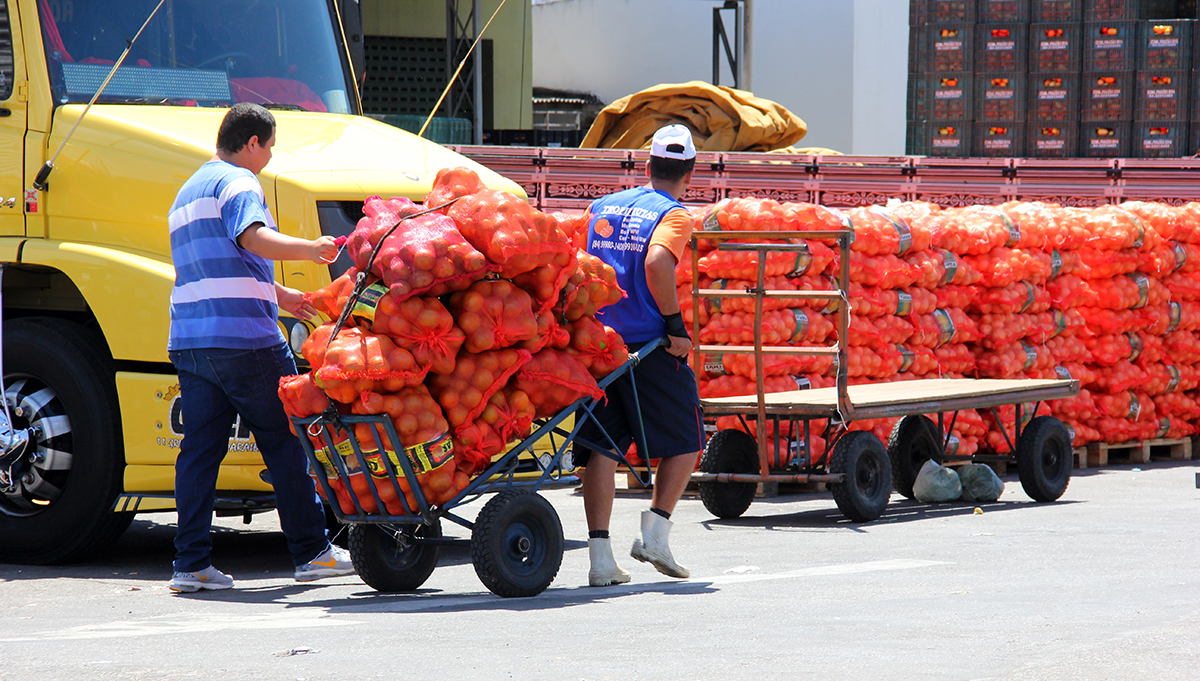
{"points": [[907, 357], [801, 318], [425, 457], [711, 222], [1030, 297], [1014, 232], [945, 326], [368, 302], [343, 448]]}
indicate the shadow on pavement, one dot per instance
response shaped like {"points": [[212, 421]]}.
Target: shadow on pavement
{"points": [[896, 512]]}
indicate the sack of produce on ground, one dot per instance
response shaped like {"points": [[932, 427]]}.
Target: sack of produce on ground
{"points": [[420, 324], [779, 327], [592, 287], [428, 256], [598, 347], [493, 314], [358, 361], [1178, 406], [979, 483], [554, 379], [936, 484]]}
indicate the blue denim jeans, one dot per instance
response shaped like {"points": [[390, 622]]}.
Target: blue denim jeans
{"points": [[216, 384]]}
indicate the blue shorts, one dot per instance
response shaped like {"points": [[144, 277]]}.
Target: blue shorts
{"points": [[670, 406]]}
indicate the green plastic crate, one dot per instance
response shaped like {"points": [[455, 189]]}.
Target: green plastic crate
{"points": [[442, 130]]}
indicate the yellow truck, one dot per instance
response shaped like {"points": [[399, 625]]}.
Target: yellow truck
{"points": [[85, 263]]}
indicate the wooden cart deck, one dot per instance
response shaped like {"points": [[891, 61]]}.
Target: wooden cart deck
{"points": [[900, 398]]}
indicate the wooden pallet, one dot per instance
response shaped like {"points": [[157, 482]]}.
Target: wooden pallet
{"points": [[1177, 450], [1104, 454], [1081, 457]]}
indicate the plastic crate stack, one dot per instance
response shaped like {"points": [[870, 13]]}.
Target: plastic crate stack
{"points": [[940, 82], [1001, 54]]}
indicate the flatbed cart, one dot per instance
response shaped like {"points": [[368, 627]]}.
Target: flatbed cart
{"points": [[859, 470], [516, 540]]}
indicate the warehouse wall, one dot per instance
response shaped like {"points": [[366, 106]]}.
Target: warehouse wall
{"points": [[510, 32], [841, 65]]}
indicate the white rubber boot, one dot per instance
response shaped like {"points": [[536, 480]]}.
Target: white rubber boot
{"points": [[652, 547], [604, 570]]}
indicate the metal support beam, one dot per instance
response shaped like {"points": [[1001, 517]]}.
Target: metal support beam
{"points": [[734, 53], [466, 96]]}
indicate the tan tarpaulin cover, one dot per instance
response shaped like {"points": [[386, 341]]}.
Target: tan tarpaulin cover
{"points": [[721, 119]]}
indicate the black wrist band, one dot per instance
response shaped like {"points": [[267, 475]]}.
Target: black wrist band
{"points": [[675, 325]]}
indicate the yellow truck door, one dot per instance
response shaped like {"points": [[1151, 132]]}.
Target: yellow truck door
{"points": [[13, 98]]}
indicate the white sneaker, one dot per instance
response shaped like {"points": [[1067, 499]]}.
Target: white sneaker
{"points": [[208, 578], [332, 562], [652, 547], [604, 570]]}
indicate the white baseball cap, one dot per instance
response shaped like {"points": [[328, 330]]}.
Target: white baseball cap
{"points": [[673, 141]]}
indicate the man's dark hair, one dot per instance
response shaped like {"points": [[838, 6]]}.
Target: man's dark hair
{"points": [[670, 169], [244, 120]]}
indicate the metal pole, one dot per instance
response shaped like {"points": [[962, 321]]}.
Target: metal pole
{"points": [[739, 75], [746, 60], [478, 108], [716, 77]]}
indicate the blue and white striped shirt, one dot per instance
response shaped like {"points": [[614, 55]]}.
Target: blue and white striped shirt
{"points": [[224, 295]]}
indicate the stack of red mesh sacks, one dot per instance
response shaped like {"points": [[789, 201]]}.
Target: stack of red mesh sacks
{"points": [[786, 321], [478, 319]]}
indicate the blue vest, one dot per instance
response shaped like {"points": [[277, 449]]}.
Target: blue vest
{"points": [[619, 234]]}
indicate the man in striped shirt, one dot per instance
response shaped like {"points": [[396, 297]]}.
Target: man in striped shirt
{"points": [[229, 353]]}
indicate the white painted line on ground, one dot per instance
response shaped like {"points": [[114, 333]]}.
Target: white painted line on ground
{"points": [[186, 624]]}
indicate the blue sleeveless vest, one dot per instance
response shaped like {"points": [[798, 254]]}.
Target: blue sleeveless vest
{"points": [[619, 234]]}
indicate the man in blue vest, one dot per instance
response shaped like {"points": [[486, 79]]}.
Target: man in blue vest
{"points": [[642, 233]]}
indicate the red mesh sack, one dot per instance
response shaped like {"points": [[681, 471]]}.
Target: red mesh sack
{"points": [[1190, 255], [575, 227], [1065, 290], [301, 397], [735, 386], [331, 299], [1163, 259], [549, 334], [743, 265], [998, 330], [463, 394], [953, 296], [1126, 404], [1183, 286], [554, 379], [1108, 350], [943, 326], [875, 331], [592, 287], [1068, 349], [955, 358], [1122, 375], [1161, 378], [424, 435], [419, 324], [748, 214], [1123, 293], [941, 268], [507, 416], [870, 301], [1182, 346], [911, 210], [1177, 405], [1046, 326], [1112, 228], [1098, 264], [596, 346], [779, 327], [972, 230], [1188, 227], [1009, 361], [427, 255], [713, 365], [452, 183], [1102, 322], [1182, 315], [1082, 407], [879, 232], [545, 284], [1016, 298], [882, 271], [918, 360], [773, 283], [513, 235], [417, 418], [874, 363], [493, 314], [1037, 226], [357, 361], [1162, 218], [1003, 266]]}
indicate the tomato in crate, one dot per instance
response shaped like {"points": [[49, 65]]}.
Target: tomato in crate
{"points": [[1055, 47]]}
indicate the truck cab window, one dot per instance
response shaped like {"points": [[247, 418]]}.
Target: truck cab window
{"points": [[198, 53], [6, 54]]}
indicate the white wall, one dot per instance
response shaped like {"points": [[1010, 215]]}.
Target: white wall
{"points": [[840, 65]]}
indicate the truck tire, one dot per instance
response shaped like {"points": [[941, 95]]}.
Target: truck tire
{"points": [[1044, 459], [863, 495], [61, 378]]}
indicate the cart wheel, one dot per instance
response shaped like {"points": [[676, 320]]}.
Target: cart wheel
{"points": [[392, 557], [868, 485], [728, 451], [517, 544], [1044, 459], [914, 440]]}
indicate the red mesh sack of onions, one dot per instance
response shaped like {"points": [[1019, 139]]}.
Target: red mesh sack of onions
{"points": [[973, 230], [881, 271], [493, 314], [726, 264], [1182, 346], [1018, 297], [591, 288], [464, 394], [1004, 266], [507, 415], [1108, 350], [875, 331], [357, 361], [1123, 293], [427, 255], [331, 299], [731, 364], [550, 334], [598, 347], [955, 358], [879, 232], [943, 326], [301, 397], [1183, 286], [779, 327], [941, 268], [554, 379], [1112, 228], [512, 234], [419, 324], [1161, 378], [869, 301], [1122, 375]]}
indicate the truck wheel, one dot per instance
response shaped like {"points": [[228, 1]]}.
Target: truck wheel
{"points": [[394, 558], [914, 440], [59, 378], [728, 451], [864, 493], [517, 544], [1044, 459]]}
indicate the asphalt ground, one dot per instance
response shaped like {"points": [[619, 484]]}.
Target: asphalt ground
{"points": [[1103, 584]]}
